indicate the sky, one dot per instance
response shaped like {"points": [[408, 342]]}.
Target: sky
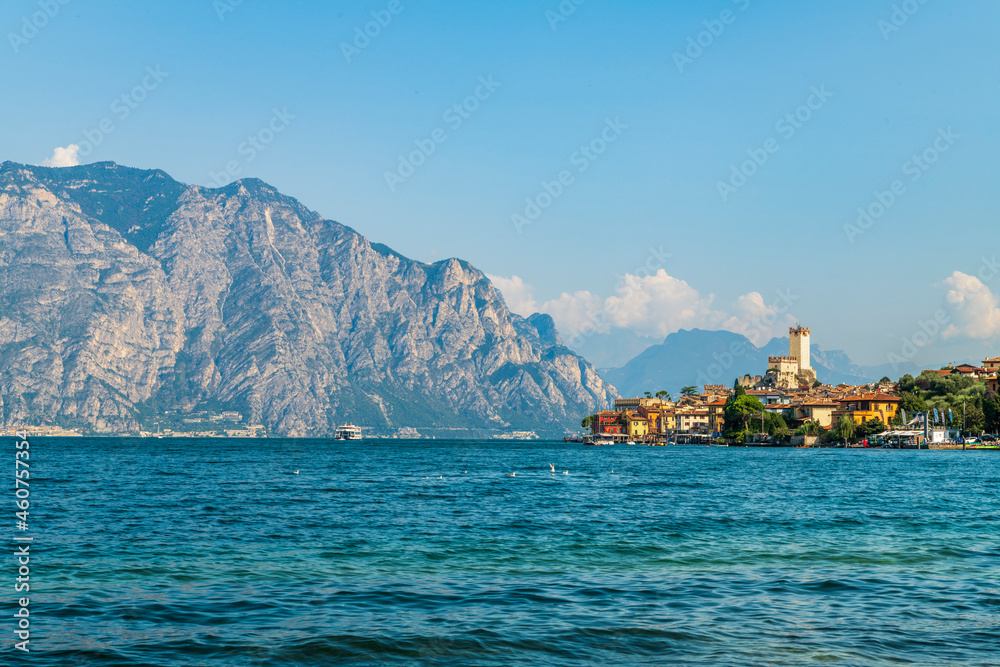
{"points": [[630, 167]]}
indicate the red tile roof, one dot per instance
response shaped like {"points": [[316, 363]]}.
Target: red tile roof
{"points": [[878, 398]]}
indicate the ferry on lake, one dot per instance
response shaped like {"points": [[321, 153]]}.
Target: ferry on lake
{"points": [[347, 432]]}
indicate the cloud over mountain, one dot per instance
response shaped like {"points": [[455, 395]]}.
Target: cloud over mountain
{"points": [[63, 157], [652, 306]]}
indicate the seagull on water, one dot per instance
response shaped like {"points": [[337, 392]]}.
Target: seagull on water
{"points": [[296, 472], [553, 467], [512, 474]]}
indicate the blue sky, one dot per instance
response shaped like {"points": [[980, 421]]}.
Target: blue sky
{"points": [[331, 122]]}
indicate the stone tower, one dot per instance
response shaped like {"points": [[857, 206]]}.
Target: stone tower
{"points": [[798, 347]]}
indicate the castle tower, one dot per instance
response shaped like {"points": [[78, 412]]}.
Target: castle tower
{"points": [[798, 347]]}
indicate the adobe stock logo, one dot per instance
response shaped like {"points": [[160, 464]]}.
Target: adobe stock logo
{"points": [[122, 108], [900, 16], [30, 25], [565, 9], [455, 116], [926, 332], [786, 126], [363, 36], [915, 168], [582, 159], [252, 147], [698, 44]]}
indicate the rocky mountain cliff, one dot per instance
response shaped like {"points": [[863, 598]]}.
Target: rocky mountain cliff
{"points": [[126, 295]]}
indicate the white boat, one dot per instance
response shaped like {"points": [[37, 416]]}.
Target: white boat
{"points": [[599, 441], [347, 432]]}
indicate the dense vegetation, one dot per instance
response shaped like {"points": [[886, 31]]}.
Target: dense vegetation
{"points": [[962, 400]]}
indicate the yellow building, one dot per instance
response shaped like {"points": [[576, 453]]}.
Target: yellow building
{"points": [[865, 407], [638, 426], [819, 411]]}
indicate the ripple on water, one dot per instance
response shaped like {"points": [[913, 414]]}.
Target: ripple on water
{"points": [[683, 555]]}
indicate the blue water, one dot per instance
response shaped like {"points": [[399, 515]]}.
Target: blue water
{"points": [[212, 552]]}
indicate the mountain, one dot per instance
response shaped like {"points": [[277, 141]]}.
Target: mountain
{"points": [[698, 357], [128, 295]]}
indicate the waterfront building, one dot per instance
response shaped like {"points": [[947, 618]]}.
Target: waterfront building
{"points": [[638, 426], [864, 407], [607, 423], [692, 419], [716, 416], [817, 410], [654, 416]]}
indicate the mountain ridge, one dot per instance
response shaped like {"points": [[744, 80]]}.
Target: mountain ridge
{"points": [[129, 294]]}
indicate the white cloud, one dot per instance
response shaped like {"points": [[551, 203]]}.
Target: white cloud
{"points": [[658, 305], [580, 312], [654, 306], [64, 157], [757, 320], [974, 309], [519, 295]]}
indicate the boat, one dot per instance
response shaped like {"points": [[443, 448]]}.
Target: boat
{"points": [[599, 441], [347, 432]]}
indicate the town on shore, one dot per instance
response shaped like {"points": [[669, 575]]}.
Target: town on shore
{"points": [[953, 407]]}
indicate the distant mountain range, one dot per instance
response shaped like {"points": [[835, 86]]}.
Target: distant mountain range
{"points": [[698, 357], [127, 295]]}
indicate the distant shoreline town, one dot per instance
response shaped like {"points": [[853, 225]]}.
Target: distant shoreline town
{"points": [[786, 406], [789, 406]]}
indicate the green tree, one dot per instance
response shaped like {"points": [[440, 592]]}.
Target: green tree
{"points": [[587, 422], [648, 394], [809, 428], [869, 428], [975, 419], [738, 414], [663, 394], [991, 411], [845, 428], [911, 403], [906, 383], [775, 426], [689, 391], [738, 390]]}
